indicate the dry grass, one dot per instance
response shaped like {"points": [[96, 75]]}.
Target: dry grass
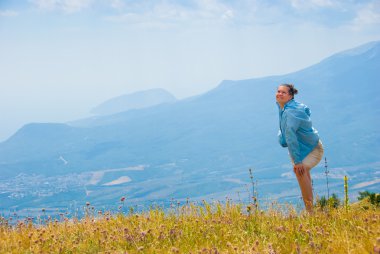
{"points": [[217, 228]]}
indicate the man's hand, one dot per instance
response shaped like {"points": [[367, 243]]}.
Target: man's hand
{"points": [[299, 170]]}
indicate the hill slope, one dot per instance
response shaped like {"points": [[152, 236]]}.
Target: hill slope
{"points": [[137, 100], [204, 145]]}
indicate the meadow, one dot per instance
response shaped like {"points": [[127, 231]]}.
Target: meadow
{"points": [[201, 228]]}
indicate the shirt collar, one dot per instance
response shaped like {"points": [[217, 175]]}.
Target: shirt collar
{"points": [[286, 104]]}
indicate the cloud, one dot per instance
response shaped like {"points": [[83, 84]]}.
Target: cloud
{"points": [[368, 15], [8, 13], [174, 13], [337, 13], [312, 4], [213, 9], [117, 4], [67, 6]]}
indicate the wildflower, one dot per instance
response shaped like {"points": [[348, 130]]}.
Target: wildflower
{"points": [[161, 236], [298, 249], [175, 250], [271, 250], [215, 250], [376, 247], [143, 234]]}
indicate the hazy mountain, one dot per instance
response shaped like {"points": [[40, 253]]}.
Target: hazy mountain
{"points": [[137, 100], [202, 147]]}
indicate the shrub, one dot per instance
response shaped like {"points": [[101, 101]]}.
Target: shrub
{"points": [[374, 198], [332, 202]]}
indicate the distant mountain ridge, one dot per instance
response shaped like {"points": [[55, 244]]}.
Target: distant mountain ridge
{"points": [[202, 147], [137, 100]]}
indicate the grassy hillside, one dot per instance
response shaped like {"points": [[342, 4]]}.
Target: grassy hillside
{"points": [[205, 228]]}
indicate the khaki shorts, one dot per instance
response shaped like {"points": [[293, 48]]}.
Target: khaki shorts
{"points": [[313, 158]]}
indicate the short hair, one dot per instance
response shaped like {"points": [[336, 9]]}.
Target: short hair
{"points": [[291, 89]]}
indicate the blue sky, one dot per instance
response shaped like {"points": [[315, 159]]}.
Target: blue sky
{"points": [[60, 58]]}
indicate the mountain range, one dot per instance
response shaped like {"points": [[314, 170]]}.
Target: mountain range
{"points": [[202, 147], [137, 100]]}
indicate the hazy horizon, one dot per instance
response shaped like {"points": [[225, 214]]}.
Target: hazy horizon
{"points": [[61, 58]]}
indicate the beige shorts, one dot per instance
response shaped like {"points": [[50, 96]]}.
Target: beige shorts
{"points": [[313, 158]]}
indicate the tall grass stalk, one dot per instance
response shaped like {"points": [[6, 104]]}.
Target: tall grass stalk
{"points": [[346, 192]]}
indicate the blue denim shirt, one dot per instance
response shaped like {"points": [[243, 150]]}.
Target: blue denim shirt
{"points": [[296, 130]]}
